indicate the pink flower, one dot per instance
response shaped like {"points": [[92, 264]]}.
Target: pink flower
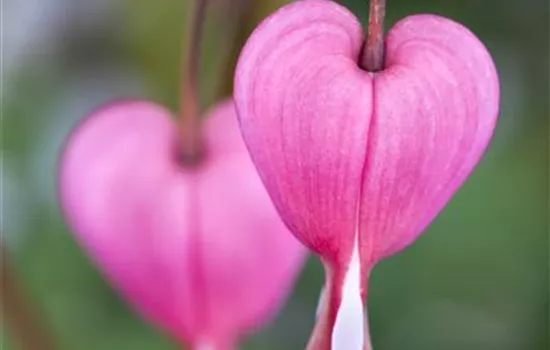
{"points": [[199, 251], [359, 163]]}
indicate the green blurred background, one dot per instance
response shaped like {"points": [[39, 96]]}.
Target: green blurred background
{"points": [[477, 279]]}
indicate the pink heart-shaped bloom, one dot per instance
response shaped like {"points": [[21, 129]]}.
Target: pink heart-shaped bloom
{"points": [[199, 251], [343, 151], [359, 163]]}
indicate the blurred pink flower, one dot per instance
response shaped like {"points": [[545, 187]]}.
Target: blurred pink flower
{"points": [[199, 251], [359, 163]]}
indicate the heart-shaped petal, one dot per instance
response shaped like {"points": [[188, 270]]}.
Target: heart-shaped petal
{"points": [[435, 108], [305, 111], [199, 251], [344, 152]]}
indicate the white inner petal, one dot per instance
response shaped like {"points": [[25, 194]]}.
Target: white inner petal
{"points": [[205, 345], [349, 327]]}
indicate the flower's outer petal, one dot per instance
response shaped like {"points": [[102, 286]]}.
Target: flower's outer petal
{"points": [[250, 259], [129, 206], [200, 251], [435, 109], [304, 107]]}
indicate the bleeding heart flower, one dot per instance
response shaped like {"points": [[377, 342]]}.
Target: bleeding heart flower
{"points": [[200, 251], [359, 163]]}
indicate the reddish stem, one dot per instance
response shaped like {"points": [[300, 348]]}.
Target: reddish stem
{"points": [[321, 336], [373, 52], [246, 15], [190, 126], [18, 313]]}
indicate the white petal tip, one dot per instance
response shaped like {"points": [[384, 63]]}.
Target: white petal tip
{"points": [[349, 327]]}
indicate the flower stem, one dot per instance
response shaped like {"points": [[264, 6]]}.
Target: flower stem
{"points": [[18, 314], [372, 58], [190, 126], [246, 17]]}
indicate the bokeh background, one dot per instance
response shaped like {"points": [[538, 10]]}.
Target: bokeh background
{"points": [[477, 279]]}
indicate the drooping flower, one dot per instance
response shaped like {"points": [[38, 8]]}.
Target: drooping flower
{"points": [[200, 251], [358, 163]]}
